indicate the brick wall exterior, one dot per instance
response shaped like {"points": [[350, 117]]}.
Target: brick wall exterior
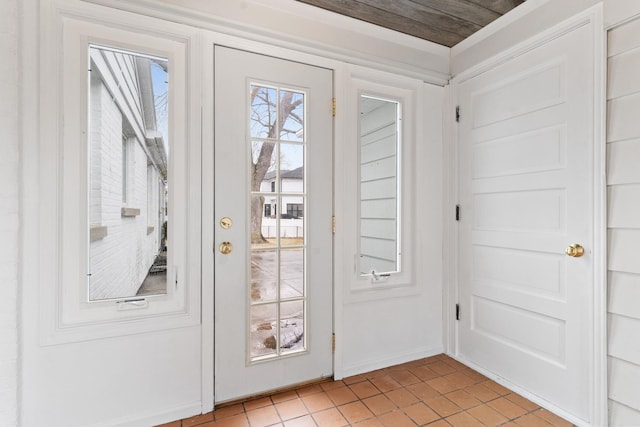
{"points": [[121, 260], [9, 210]]}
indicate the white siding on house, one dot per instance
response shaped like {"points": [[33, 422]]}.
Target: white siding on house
{"points": [[623, 176], [9, 210], [289, 227], [378, 188]]}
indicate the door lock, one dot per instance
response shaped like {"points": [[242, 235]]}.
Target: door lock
{"points": [[226, 248], [226, 222]]}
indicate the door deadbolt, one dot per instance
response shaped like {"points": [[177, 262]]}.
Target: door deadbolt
{"points": [[226, 222]]}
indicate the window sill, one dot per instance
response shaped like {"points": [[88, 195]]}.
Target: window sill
{"points": [[97, 232], [130, 212]]}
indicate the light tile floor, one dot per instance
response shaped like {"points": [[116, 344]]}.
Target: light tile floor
{"points": [[437, 392]]}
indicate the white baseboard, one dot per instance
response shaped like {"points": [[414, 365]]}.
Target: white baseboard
{"points": [[152, 418], [389, 360]]}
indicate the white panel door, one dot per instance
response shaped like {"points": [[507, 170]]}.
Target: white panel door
{"points": [[526, 193], [273, 208]]}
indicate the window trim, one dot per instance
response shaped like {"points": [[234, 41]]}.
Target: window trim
{"points": [[65, 315], [406, 92]]}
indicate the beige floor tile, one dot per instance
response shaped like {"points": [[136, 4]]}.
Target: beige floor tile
{"points": [[306, 421], [522, 402], [264, 416], [290, 409], [396, 419], [341, 395], [239, 420], [330, 418], [507, 408], [463, 399], [227, 411], [379, 404], [198, 419], [364, 389], [463, 419], [443, 406], [421, 414], [436, 391], [487, 415], [257, 403], [385, 383], [531, 420], [552, 418], [402, 397], [317, 402], [482, 393], [355, 412]]}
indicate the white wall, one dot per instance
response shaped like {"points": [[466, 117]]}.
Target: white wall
{"points": [[379, 324], [623, 176], [9, 210]]}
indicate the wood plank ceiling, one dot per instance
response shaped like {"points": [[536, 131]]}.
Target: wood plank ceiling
{"points": [[445, 22]]}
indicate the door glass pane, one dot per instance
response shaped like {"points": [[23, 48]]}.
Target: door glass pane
{"points": [[264, 332], [128, 160], [379, 186], [292, 168], [264, 275], [292, 120], [264, 107], [292, 326], [278, 196], [264, 225], [292, 273]]}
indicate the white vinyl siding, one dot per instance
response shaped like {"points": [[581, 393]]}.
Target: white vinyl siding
{"points": [[378, 184], [623, 176]]}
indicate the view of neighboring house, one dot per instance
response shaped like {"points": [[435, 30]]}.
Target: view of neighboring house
{"points": [[128, 173], [291, 210]]}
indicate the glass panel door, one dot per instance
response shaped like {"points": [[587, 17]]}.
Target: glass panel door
{"points": [[273, 266]]}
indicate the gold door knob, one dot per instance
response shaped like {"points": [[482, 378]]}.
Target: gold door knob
{"points": [[574, 250], [226, 248]]}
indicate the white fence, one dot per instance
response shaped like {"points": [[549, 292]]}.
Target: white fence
{"points": [[289, 228]]}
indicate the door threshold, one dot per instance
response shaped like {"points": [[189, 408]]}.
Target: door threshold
{"points": [[318, 381]]}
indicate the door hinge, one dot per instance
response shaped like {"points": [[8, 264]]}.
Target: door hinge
{"points": [[457, 113], [457, 212], [333, 224], [457, 311], [333, 107], [333, 342]]}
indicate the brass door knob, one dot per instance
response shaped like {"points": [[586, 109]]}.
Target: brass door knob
{"points": [[574, 250], [226, 248]]}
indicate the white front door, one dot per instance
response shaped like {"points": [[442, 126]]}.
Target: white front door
{"points": [[526, 194], [273, 209]]}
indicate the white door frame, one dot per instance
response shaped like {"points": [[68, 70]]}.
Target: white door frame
{"points": [[598, 360]]}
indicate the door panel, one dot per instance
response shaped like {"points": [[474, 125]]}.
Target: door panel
{"points": [[273, 181], [526, 156]]}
